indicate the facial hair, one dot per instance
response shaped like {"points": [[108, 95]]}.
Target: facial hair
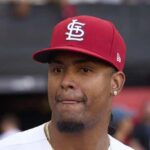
{"points": [[70, 126]]}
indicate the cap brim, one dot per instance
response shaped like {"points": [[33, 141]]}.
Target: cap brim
{"points": [[44, 55]]}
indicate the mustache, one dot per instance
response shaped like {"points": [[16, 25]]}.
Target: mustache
{"points": [[61, 96]]}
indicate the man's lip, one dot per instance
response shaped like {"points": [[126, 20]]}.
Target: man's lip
{"points": [[70, 101]]}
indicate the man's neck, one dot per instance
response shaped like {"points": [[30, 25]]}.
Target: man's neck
{"points": [[90, 139]]}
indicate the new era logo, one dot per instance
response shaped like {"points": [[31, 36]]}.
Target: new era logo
{"points": [[75, 31], [118, 58]]}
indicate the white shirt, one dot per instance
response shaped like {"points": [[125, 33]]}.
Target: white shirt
{"points": [[35, 139]]}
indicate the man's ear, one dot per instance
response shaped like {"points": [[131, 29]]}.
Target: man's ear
{"points": [[117, 82]]}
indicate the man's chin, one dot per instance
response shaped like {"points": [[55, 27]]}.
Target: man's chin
{"points": [[70, 126]]}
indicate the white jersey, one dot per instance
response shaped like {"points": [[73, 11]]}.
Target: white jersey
{"points": [[35, 139]]}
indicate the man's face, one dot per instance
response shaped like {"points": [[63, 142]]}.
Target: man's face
{"points": [[79, 90]]}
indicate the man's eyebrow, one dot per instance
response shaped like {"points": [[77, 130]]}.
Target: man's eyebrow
{"points": [[94, 61]]}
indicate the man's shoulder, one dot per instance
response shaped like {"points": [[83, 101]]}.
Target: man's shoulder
{"points": [[19, 140], [115, 144]]}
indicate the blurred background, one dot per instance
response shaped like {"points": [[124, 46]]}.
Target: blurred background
{"points": [[26, 25]]}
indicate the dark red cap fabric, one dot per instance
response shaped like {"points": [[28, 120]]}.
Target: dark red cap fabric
{"points": [[89, 35]]}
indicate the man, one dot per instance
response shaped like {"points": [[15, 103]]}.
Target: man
{"points": [[9, 125], [86, 60]]}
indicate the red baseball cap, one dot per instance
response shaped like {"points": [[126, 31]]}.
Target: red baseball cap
{"points": [[88, 35]]}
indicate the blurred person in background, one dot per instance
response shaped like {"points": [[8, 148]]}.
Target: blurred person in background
{"points": [[141, 134], [67, 9], [9, 125], [122, 122], [22, 8]]}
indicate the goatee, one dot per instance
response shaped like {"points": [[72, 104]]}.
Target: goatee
{"points": [[70, 126]]}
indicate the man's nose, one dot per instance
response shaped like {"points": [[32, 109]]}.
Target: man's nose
{"points": [[68, 81]]}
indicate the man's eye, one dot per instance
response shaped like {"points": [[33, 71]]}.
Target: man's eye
{"points": [[57, 70], [85, 70]]}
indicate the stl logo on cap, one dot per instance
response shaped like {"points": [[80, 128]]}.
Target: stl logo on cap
{"points": [[75, 31]]}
